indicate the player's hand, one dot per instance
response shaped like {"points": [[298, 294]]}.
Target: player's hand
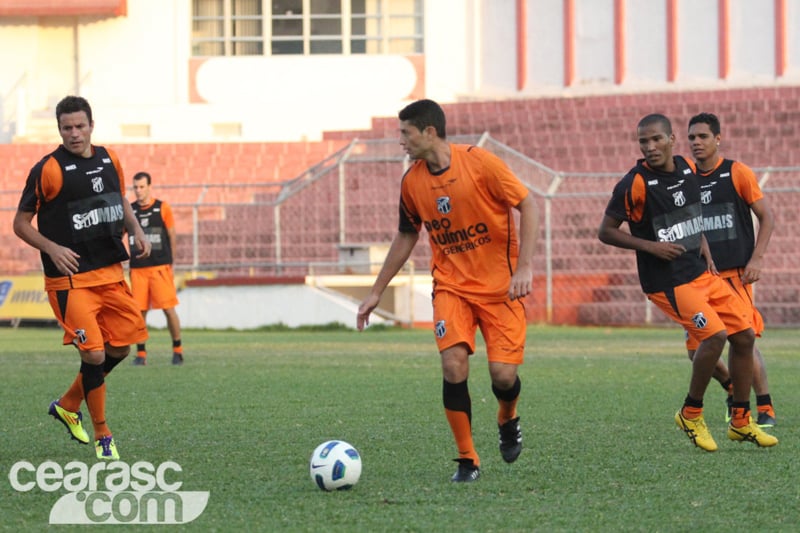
{"points": [[666, 250], [521, 283], [65, 260], [143, 245], [710, 266], [752, 272], [367, 306]]}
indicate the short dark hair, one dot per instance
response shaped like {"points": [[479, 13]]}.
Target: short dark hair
{"points": [[707, 118], [73, 104], [424, 113], [656, 118], [142, 176]]}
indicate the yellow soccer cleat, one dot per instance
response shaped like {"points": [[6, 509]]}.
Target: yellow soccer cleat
{"points": [[72, 421], [752, 433], [106, 448], [697, 431]]}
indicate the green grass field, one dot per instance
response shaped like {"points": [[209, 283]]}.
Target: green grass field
{"points": [[244, 413]]}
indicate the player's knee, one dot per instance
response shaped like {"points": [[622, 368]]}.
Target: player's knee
{"points": [[504, 376], [743, 338], [93, 357], [118, 352], [716, 342], [455, 363]]}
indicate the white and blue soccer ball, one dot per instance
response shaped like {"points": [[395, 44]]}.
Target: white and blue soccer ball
{"points": [[335, 465]]}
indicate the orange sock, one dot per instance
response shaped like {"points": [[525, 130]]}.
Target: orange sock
{"points": [[94, 388], [691, 412], [507, 401], [506, 411], [72, 399], [740, 416], [96, 401], [461, 427], [761, 409], [177, 349]]}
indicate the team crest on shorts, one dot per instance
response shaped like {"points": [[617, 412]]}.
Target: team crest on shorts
{"points": [[80, 336], [700, 320], [440, 329]]}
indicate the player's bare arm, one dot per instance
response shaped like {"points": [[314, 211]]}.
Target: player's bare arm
{"points": [[133, 227], [610, 233], [766, 223], [522, 278], [705, 252], [399, 252], [173, 240], [65, 259]]}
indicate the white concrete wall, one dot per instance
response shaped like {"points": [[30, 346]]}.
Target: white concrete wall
{"points": [[248, 307], [136, 69]]}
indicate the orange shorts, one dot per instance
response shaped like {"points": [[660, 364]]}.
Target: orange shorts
{"points": [[154, 287], [502, 324], [745, 293], [705, 306], [94, 316]]}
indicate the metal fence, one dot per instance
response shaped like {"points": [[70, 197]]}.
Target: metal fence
{"points": [[339, 216]]}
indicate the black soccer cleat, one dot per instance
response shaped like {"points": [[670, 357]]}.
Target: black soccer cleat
{"points": [[765, 420], [510, 440], [467, 471]]}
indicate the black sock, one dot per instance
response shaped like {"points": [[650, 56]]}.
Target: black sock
{"points": [[456, 397], [92, 377], [508, 395], [691, 402], [763, 399], [110, 363], [741, 405]]}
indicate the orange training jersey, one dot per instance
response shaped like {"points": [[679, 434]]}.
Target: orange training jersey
{"points": [[466, 209]]}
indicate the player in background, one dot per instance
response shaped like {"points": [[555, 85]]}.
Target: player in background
{"points": [[77, 195], [660, 200], [464, 197], [731, 196], [152, 278]]}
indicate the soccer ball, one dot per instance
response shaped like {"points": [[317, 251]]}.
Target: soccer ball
{"points": [[335, 465]]}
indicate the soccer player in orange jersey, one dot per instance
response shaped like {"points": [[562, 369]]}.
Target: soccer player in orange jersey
{"points": [[660, 200], [464, 197], [77, 195], [731, 196], [152, 278]]}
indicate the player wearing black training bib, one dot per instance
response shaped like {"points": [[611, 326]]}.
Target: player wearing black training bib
{"points": [[152, 278], [660, 200]]}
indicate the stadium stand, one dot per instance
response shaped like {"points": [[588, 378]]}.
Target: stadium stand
{"points": [[596, 134], [231, 190]]}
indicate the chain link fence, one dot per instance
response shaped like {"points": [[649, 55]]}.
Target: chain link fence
{"points": [[339, 216]]}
